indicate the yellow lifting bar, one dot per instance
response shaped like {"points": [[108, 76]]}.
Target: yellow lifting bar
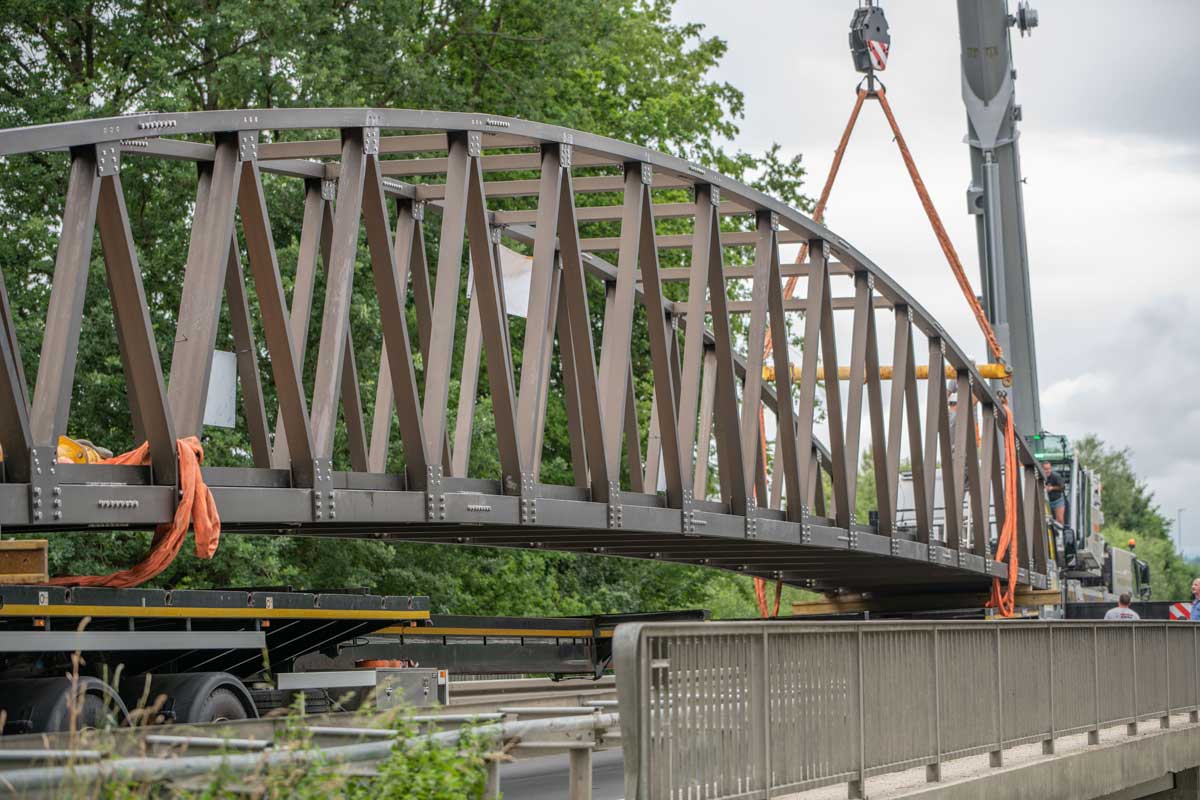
{"points": [[1000, 372]]}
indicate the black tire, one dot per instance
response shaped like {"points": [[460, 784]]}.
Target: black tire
{"points": [[94, 712], [193, 697], [43, 705], [221, 705]]}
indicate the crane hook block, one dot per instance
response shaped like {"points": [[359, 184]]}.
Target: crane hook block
{"points": [[869, 39]]}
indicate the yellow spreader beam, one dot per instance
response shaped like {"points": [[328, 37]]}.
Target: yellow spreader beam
{"points": [[990, 371]]}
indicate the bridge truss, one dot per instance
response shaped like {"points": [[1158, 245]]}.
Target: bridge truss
{"points": [[409, 178]]}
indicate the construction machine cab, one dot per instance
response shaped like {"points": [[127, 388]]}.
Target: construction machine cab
{"points": [[1083, 551], [1142, 574]]}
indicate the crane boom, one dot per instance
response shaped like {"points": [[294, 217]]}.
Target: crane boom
{"points": [[994, 195]]}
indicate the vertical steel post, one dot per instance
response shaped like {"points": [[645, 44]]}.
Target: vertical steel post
{"points": [[1164, 721], [1048, 743], [491, 789], [858, 786], [1194, 714], [765, 712], [580, 775], [645, 658], [1094, 734], [933, 772], [996, 757], [1132, 728]]}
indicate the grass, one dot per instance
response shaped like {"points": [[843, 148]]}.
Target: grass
{"points": [[415, 768]]}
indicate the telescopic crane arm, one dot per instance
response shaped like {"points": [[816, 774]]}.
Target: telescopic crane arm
{"points": [[994, 196]]}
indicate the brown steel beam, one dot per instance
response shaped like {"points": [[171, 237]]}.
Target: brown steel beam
{"points": [[132, 317], [203, 286], [64, 316]]}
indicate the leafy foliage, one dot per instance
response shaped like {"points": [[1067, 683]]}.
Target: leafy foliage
{"points": [[1131, 513], [1170, 576], [1127, 501], [620, 68], [415, 769]]}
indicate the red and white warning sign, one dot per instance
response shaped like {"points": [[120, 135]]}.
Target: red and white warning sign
{"points": [[879, 54], [1181, 611]]}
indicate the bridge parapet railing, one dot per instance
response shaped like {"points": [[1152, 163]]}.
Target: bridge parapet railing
{"points": [[747, 710]]}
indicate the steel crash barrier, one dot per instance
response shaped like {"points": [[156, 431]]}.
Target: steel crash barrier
{"points": [[722, 710]]}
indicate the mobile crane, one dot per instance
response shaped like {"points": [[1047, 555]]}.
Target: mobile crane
{"points": [[1091, 569]]}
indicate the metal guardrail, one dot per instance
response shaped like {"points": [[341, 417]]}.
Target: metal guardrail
{"points": [[747, 710], [575, 733], [528, 718], [476, 701]]}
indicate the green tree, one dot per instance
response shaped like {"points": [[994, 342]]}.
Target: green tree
{"points": [[1127, 501], [866, 500], [1131, 513], [1170, 576], [620, 68]]}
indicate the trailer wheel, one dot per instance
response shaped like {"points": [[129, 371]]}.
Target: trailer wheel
{"points": [[221, 705], [192, 697], [42, 705], [94, 713]]}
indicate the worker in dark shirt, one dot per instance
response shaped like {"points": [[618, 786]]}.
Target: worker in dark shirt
{"points": [[1054, 492]]}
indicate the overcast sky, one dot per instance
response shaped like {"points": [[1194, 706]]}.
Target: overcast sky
{"points": [[1111, 154]]}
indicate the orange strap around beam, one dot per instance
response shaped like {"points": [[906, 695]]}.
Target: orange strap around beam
{"points": [[196, 509]]}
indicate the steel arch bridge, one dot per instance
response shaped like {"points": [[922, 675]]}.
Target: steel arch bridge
{"points": [[401, 174]]}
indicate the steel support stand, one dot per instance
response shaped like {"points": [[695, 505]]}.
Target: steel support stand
{"points": [[491, 790], [581, 773]]}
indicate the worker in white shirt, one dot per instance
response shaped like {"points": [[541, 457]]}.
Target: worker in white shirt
{"points": [[1122, 612]]}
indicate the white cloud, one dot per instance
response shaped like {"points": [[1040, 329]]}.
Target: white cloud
{"points": [[1066, 393]]}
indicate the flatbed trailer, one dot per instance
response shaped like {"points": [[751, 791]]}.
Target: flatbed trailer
{"points": [[93, 656], [560, 647]]}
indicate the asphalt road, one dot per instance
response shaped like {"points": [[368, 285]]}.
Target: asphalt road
{"points": [[545, 778]]}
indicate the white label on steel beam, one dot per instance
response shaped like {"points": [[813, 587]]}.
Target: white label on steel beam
{"points": [[221, 408], [515, 271]]}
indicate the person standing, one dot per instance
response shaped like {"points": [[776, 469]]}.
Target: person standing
{"points": [[1195, 615], [1122, 612], [1054, 492]]}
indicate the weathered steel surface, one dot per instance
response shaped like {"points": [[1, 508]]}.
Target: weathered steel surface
{"points": [[773, 519]]}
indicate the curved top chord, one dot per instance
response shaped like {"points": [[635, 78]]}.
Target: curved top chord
{"points": [[650, 492]]}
